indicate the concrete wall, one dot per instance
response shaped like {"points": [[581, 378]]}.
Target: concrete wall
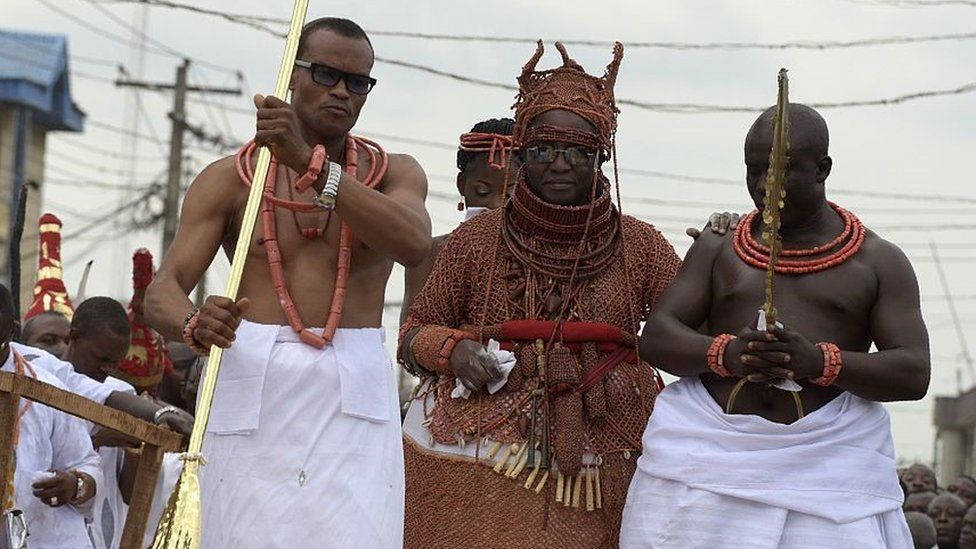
{"points": [[34, 176]]}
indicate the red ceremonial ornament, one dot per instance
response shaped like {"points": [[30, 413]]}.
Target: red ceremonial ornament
{"points": [[847, 244], [491, 143], [716, 354], [147, 359], [50, 293], [377, 169], [833, 362]]}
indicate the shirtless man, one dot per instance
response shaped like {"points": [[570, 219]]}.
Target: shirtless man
{"points": [[296, 458], [832, 474]]}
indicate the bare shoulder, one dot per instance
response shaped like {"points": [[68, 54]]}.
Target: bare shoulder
{"points": [[219, 182], [403, 171], [883, 256]]}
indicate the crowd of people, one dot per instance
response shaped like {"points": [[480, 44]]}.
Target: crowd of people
{"points": [[73, 479], [943, 517], [536, 330]]}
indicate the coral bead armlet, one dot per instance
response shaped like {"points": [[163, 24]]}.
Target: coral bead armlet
{"points": [[315, 165], [832, 365], [716, 354], [432, 346], [189, 326]]}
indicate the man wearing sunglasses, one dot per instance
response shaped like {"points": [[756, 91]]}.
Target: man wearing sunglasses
{"points": [[527, 329], [304, 444]]}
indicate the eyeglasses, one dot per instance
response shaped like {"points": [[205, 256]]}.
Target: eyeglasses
{"points": [[327, 76], [546, 154]]}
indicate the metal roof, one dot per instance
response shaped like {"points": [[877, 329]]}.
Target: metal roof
{"points": [[34, 73]]}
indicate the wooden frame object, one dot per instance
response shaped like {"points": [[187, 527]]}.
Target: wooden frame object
{"points": [[155, 441]]}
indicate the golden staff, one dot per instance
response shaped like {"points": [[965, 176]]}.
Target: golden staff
{"points": [[179, 527], [776, 193]]}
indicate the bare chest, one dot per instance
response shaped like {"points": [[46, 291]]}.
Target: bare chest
{"points": [[831, 305]]}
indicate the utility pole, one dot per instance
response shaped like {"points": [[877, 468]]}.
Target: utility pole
{"points": [[178, 118], [960, 333]]}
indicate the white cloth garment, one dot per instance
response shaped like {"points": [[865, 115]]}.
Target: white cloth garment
{"points": [[79, 384], [711, 480], [471, 212], [506, 361], [304, 445], [50, 439], [109, 511], [169, 474]]}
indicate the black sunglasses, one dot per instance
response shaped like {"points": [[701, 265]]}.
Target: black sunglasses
{"points": [[546, 153], [328, 76]]}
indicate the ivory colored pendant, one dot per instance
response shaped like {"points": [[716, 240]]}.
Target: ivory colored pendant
{"points": [[578, 489], [494, 450], [599, 491], [522, 462], [559, 487], [515, 461], [542, 483], [531, 479], [590, 505], [504, 458], [568, 492]]}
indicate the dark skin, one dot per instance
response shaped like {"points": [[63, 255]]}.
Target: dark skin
{"points": [[967, 534], [63, 485], [918, 502], [97, 351], [947, 512], [557, 182], [48, 331], [214, 207], [872, 297], [964, 488], [919, 478]]}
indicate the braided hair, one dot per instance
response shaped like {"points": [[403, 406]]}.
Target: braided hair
{"points": [[500, 126]]}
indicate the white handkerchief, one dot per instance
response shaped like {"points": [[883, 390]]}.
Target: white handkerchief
{"points": [[781, 383], [506, 361]]}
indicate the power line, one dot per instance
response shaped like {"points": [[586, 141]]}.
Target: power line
{"points": [[152, 191], [98, 150], [960, 333], [83, 22], [924, 3], [139, 34], [955, 199], [795, 44], [257, 22], [695, 108]]}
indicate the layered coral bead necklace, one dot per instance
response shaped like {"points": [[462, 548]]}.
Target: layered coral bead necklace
{"points": [[844, 245], [245, 169]]}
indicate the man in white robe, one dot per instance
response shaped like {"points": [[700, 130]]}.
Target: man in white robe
{"points": [[57, 470], [770, 440]]}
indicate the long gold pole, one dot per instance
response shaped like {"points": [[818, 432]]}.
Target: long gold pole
{"points": [[776, 193], [179, 527]]}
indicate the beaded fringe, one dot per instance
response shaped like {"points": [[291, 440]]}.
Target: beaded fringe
{"points": [[580, 492]]}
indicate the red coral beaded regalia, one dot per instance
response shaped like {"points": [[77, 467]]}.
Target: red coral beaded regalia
{"points": [[378, 162], [825, 256]]}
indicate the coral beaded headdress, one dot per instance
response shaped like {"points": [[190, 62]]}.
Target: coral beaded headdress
{"points": [[568, 88]]}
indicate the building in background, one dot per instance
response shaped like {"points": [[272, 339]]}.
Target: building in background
{"points": [[955, 424], [35, 98]]}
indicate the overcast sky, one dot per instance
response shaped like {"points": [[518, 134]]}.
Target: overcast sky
{"points": [[920, 147]]}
